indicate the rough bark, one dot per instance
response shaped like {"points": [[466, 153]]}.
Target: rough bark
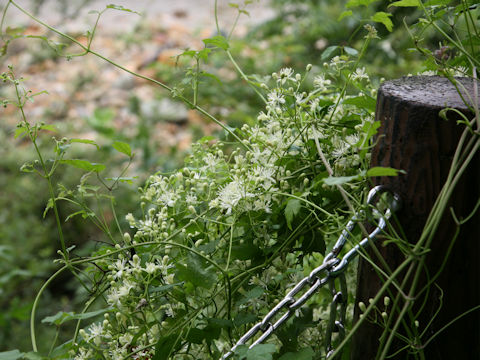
{"points": [[413, 137]]}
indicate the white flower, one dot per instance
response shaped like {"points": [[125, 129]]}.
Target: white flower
{"points": [[230, 195], [265, 176], [211, 161], [321, 83], [275, 98], [285, 74], [336, 62], [83, 354], [96, 331], [131, 220], [460, 71], [359, 74], [151, 267], [125, 339], [119, 268], [191, 199], [114, 297], [428, 73], [261, 203]]}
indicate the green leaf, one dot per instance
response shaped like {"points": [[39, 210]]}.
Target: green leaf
{"points": [[11, 355], [364, 102], [406, 3], [122, 147], [212, 76], [437, 2], [121, 8], [384, 171], [304, 354], [62, 317], [81, 212], [339, 180], [33, 356], [196, 271], [350, 51], [20, 132], [254, 293], [328, 52], [345, 14], [49, 127], [85, 141], [217, 41], [384, 18], [258, 352], [84, 165], [165, 346], [15, 31], [244, 318], [123, 179], [48, 207], [291, 210], [59, 318], [355, 3]]}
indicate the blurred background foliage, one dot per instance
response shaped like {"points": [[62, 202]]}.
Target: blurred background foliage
{"points": [[158, 128]]}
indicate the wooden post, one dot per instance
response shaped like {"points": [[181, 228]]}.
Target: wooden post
{"points": [[413, 137]]}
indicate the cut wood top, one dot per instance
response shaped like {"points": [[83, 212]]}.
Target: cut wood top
{"points": [[431, 91]]}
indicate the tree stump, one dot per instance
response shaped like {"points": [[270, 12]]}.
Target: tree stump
{"points": [[414, 138]]}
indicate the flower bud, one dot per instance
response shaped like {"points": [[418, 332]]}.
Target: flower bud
{"points": [[362, 307]]}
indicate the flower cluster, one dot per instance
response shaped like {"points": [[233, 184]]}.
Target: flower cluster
{"points": [[216, 235]]}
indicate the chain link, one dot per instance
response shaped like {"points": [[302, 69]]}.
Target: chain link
{"points": [[331, 269]]}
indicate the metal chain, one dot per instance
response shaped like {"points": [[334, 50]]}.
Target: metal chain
{"points": [[331, 269]]}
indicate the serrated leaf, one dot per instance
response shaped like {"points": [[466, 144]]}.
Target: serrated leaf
{"points": [[345, 14], [364, 102], [384, 171], [165, 347], [217, 41], [339, 180], [122, 147], [244, 318], [58, 319], [406, 3], [20, 132], [258, 352], [121, 8], [254, 293], [304, 354], [291, 210], [203, 54], [196, 271], [85, 141], [49, 127], [62, 317], [11, 355], [384, 18], [328, 52], [84, 165]]}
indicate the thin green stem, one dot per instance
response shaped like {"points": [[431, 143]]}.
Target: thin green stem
{"points": [[35, 305]]}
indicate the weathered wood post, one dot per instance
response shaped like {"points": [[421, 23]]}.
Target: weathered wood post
{"points": [[414, 138]]}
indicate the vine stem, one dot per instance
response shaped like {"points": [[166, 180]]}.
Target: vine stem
{"points": [[35, 305]]}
